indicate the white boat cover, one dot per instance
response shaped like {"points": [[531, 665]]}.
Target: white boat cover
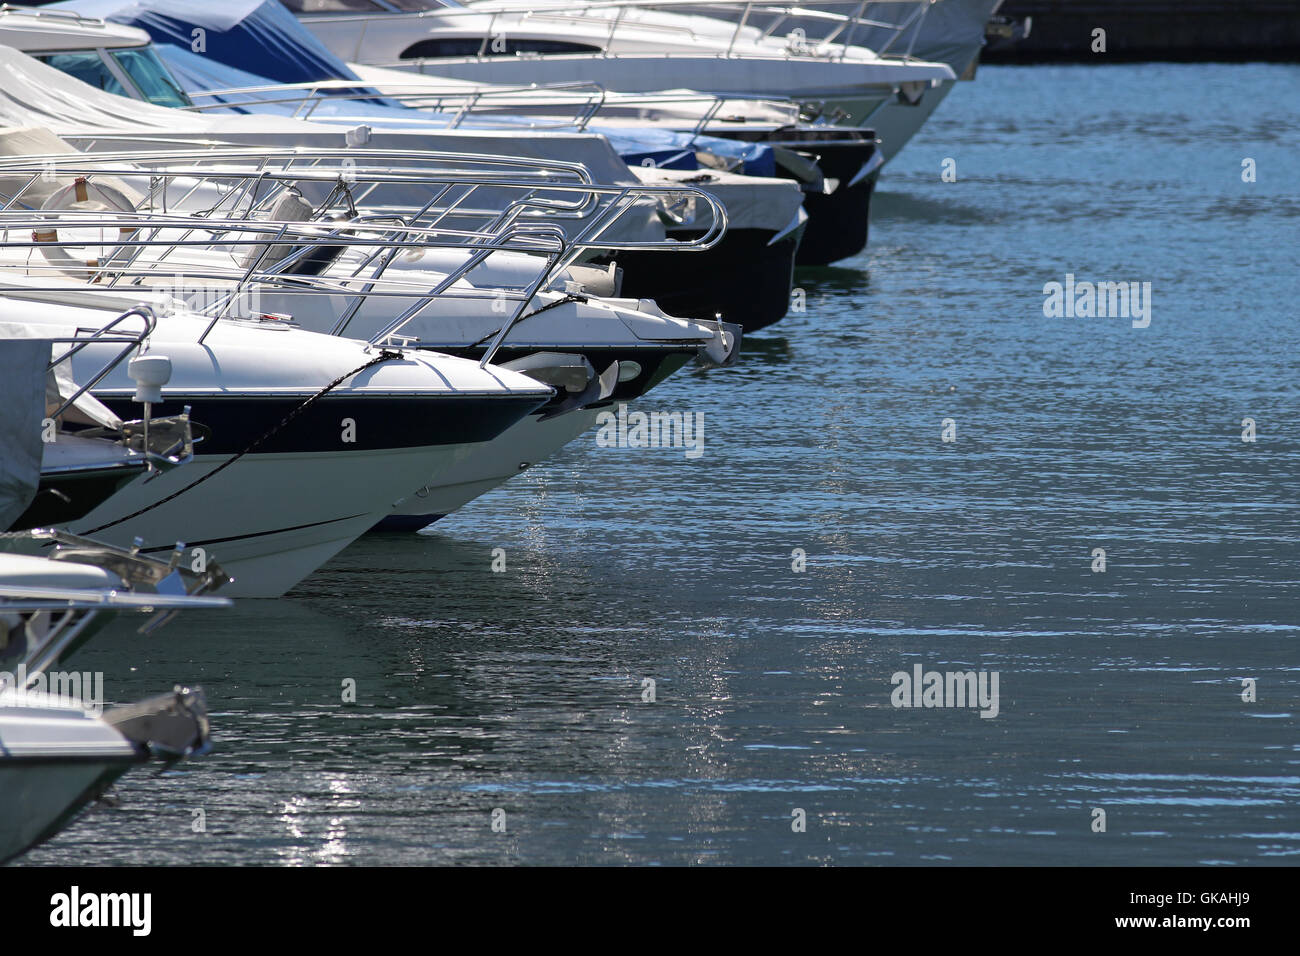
{"points": [[33, 94], [22, 407], [59, 384]]}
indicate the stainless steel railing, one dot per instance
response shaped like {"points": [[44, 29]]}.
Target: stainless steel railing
{"points": [[566, 106], [756, 22], [214, 202]]}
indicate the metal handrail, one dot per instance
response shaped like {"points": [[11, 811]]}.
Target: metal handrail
{"points": [[537, 193], [364, 232], [260, 233], [100, 337], [478, 104], [838, 24], [504, 172], [36, 598], [310, 96], [530, 223], [188, 151]]}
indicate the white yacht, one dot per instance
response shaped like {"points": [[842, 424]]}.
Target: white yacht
{"points": [[282, 409], [289, 473], [939, 31], [455, 297], [633, 46]]}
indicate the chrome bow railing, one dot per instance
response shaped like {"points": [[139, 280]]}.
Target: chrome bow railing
{"points": [[555, 106], [809, 30], [206, 216]]}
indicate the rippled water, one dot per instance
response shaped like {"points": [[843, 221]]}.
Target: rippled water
{"points": [[1119, 690]]}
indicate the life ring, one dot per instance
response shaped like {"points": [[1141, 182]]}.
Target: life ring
{"points": [[82, 190]]}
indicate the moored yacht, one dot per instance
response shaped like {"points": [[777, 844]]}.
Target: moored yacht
{"points": [[765, 213], [58, 751], [631, 46], [938, 31], [592, 349]]}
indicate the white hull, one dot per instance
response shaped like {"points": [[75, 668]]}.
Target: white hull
{"points": [[276, 513], [53, 761], [896, 123], [633, 50], [846, 86], [522, 445], [271, 520], [36, 800]]}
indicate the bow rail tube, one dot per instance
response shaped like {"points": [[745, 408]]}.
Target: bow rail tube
{"points": [[629, 45], [835, 166]]}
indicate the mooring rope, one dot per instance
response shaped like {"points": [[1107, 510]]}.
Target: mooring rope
{"points": [[384, 356]]}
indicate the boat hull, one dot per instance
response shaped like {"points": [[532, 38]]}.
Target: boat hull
{"points": [[529, 441], [519, 447], [269, 520], [896, 121], [838, 222], [746, 278], [55, 759], [40, 797]]}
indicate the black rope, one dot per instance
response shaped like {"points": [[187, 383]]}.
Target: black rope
{"points": [[384, 356], [563, 300]]}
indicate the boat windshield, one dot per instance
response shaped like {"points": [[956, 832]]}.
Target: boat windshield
{"points": [[413, 5], [368, 6], [87, 66], [152, 78]]}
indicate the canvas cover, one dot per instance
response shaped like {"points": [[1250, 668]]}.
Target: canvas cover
{"points": [[32, 192], [258, 36], [22, 408], [259, 42]]}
